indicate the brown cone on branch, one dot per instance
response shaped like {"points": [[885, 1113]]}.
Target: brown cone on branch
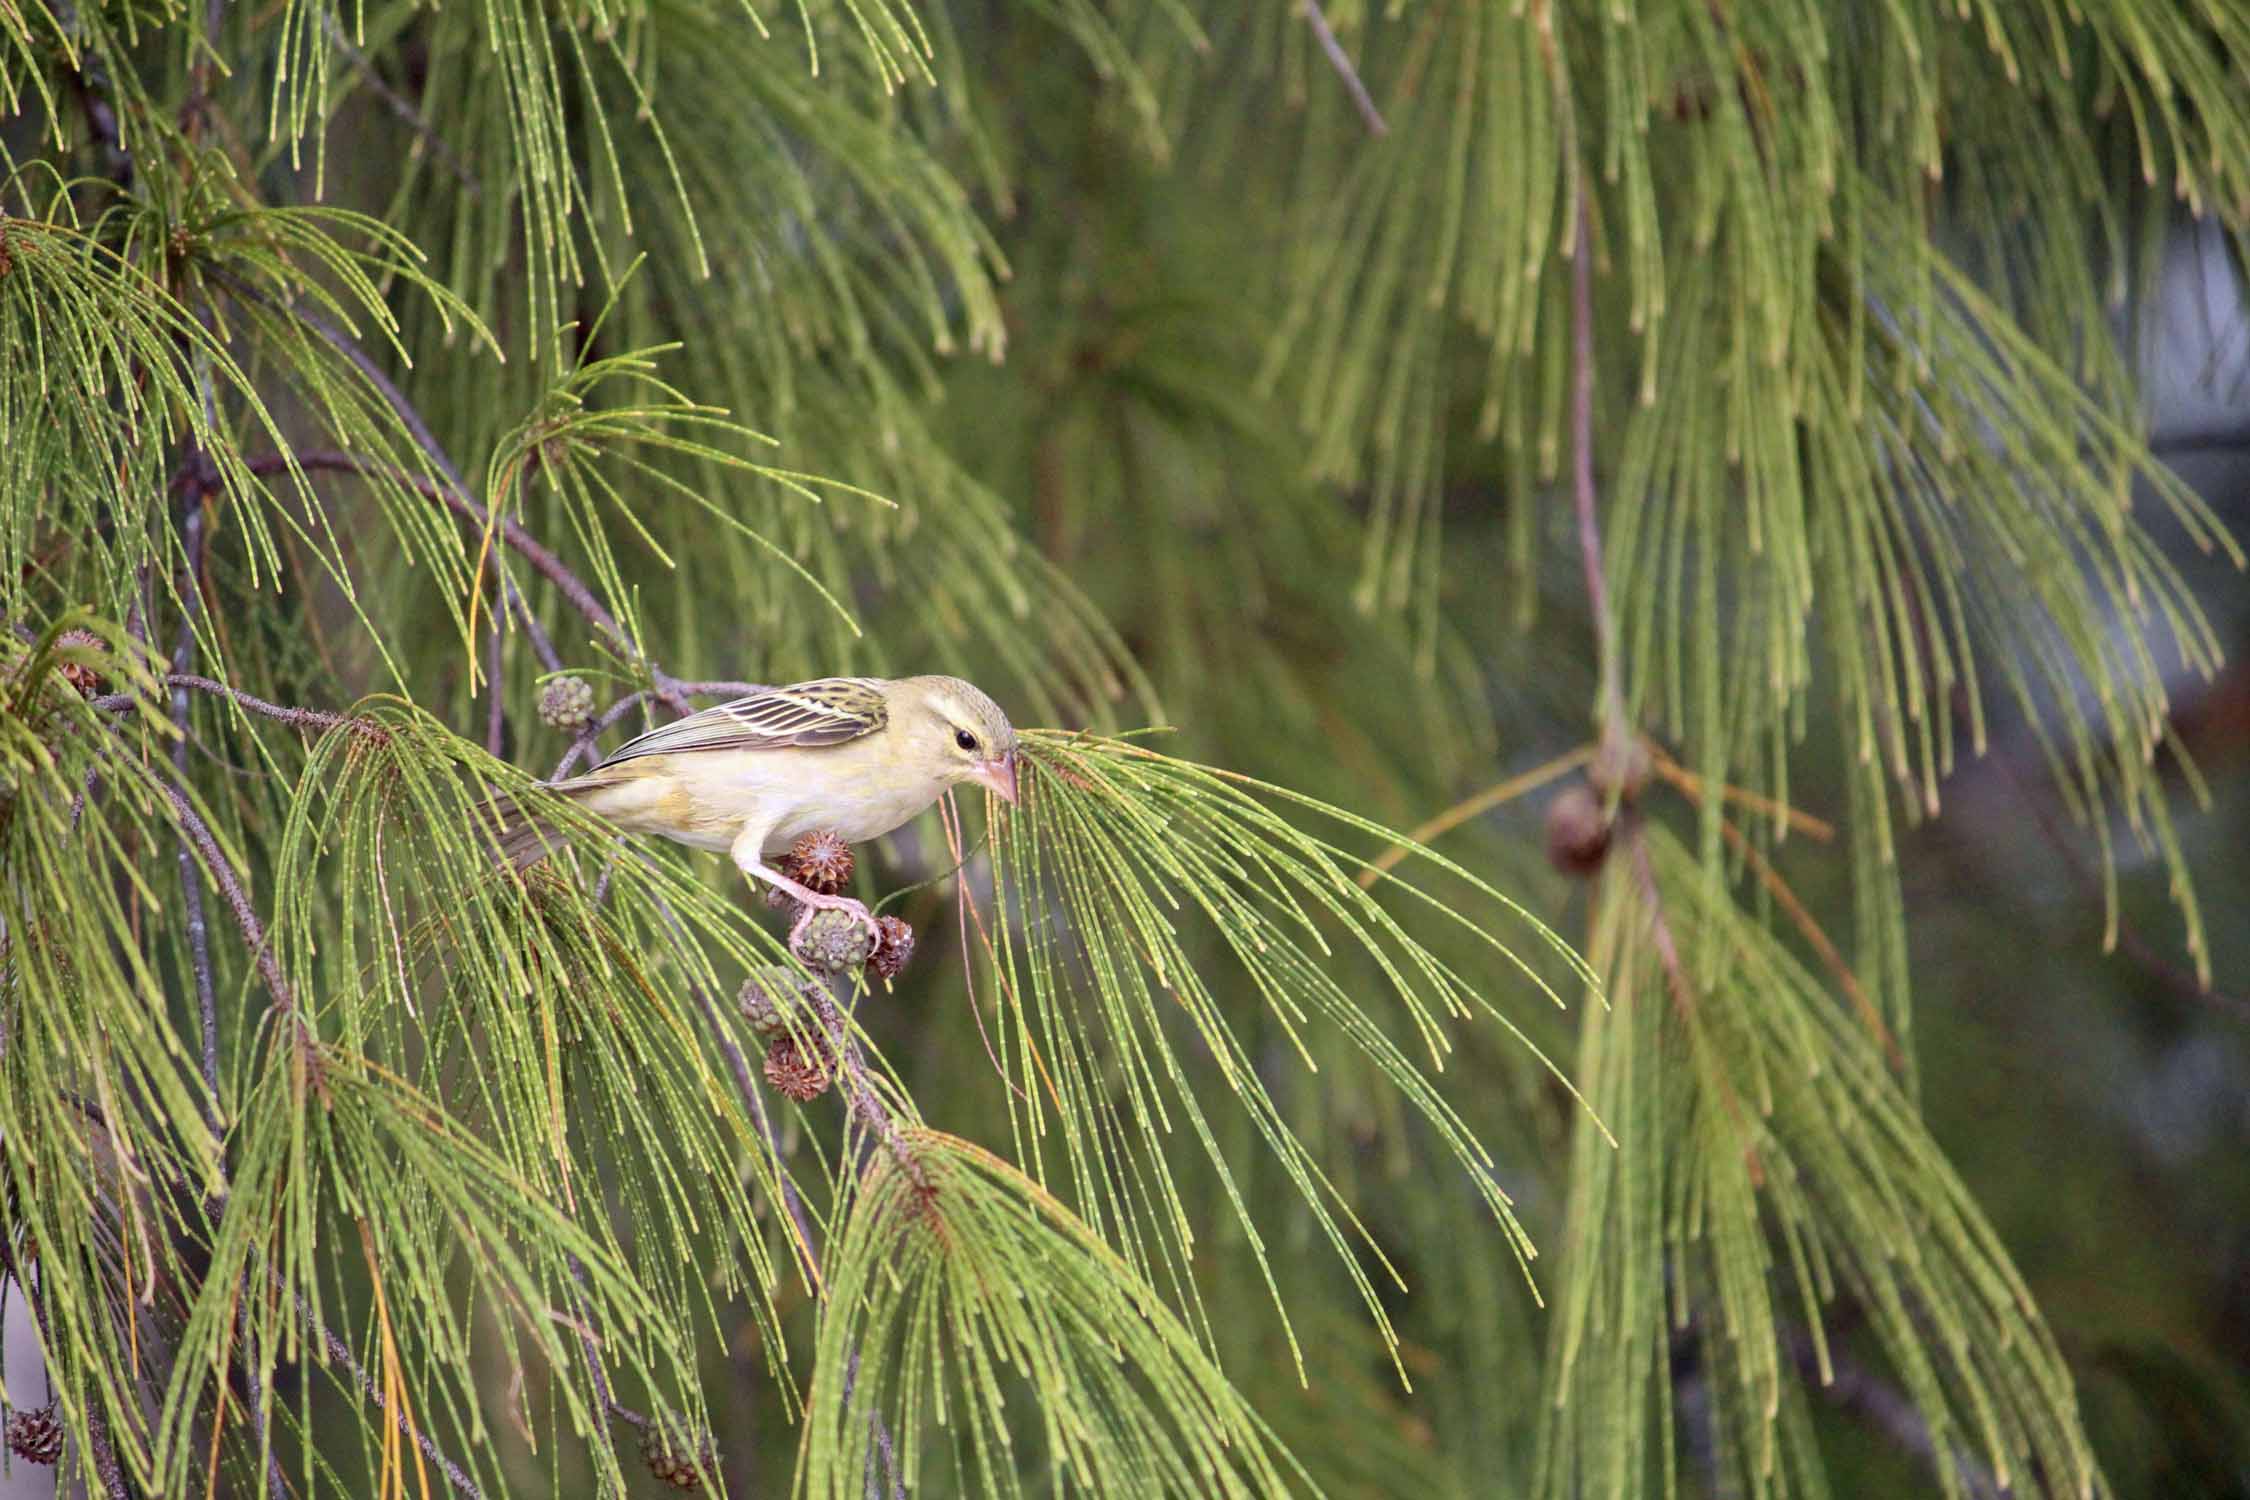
{"points": [[798, 1067], [36, 1436], [894, 948], [668, 1460], [1577, 832], [82, 675]]}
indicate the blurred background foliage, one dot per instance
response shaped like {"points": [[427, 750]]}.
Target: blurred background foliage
{"points": [[1247, 371]]}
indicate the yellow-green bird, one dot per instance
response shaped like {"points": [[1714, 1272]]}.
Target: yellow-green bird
{"points": [[855, 755]]}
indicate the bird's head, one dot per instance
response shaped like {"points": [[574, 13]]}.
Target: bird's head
{"points": [[967, 731]]}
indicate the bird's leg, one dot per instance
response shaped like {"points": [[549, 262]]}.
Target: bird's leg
{"points": [[748, 859]]}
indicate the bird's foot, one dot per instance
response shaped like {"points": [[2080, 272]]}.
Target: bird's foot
{"points": [[810, 901]]}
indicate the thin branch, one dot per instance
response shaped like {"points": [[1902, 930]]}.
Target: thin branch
{"points": [[1473, 806], [603, 1390], [808, 1248], [191, 883], [454, 493], [1811, 931], [260, 1402], [456, 499], [402, 107], [301, 718], [1582, 467], [496, 720], [1341, 61], [882, 1432], [541, 645], [1681, 987], [245, 915], [342, 1354]]}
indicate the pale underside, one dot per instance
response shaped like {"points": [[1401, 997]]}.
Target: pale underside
{"points": [[709, 799]]}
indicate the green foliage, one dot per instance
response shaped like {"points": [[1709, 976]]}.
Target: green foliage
{"points": [[406, 356], [1768, 1167], [1115, 847], [963, 1280]]}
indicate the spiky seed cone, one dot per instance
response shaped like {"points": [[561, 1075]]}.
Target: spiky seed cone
{"points": [[834, 942], [1577, 833], [821, 860], [567, 704], [797, 1068], [771, 995], [79, 674], [894, 951], [36, 1436]]}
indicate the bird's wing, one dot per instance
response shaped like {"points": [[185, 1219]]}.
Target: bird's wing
{"points": [[827, 711]]}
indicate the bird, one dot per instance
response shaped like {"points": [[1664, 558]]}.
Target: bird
{"points": [[856, 756]]}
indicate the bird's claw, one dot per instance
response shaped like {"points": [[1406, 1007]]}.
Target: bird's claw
{"points": [[856, 908]]}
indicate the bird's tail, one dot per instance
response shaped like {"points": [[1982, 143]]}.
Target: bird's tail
{"points": [[526, 836]]}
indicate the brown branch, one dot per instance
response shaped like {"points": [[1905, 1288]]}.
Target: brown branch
{"points": [[456, 499], [454, 492], [1583, 495], [1811, 931], [402, 107], [301, 718], [342, 1354], [246, 916], [496, 718], [1341, 61], [191, 884]]}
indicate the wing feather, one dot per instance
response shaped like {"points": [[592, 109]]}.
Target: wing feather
{"points": [[826, 711]]}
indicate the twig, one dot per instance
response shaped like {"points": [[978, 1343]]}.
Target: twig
{"points": [[1582, 468], [1811, 931], [1682, 989], [603, 1390], [276, 1486], [302, 718], [457, 500], [245, 915], [454, 492], [342, 1354], [808, 1248], [882, 1433], [496, 722], [541, 646], [403, 107], [1691, 787], [1341, 61], [191, 883], [1472, 806]]}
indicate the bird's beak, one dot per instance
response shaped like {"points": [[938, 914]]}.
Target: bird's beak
{"points": [[998, 775]]}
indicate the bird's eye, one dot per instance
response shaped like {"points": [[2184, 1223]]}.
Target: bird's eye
{"points": [[964, 739]]}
